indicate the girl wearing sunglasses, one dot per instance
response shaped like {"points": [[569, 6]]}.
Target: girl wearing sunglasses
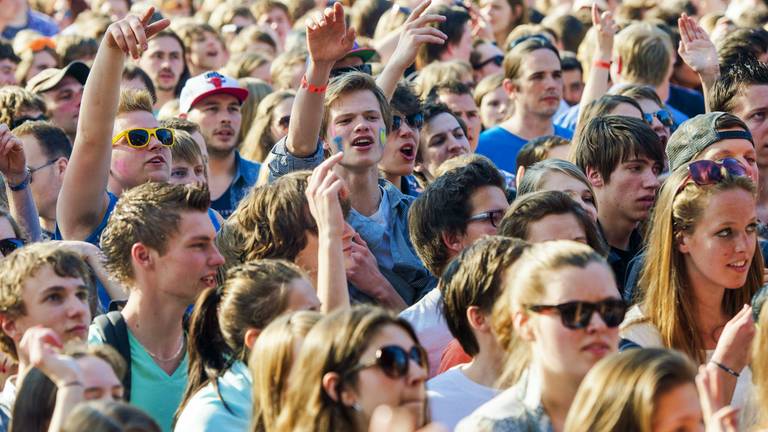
{"points": [[702, 267], [11, 234], [351, 362], [558, 316]]}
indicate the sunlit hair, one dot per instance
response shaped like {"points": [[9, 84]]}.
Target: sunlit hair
{"points": [[335, 344], [260, 140], [527, 285], [664, 288], [533, 179], [533, 207], [622, 391], [271, 360], [759, 367]]}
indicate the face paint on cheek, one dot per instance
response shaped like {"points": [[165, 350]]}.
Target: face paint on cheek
{"points": [[382, 137], [337, 141]]}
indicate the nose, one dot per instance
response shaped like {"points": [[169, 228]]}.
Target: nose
{"points": [[743, 242], [216, 259], [596, 323], [416, 373], [651, 180], [77, 308], [154, 144]]}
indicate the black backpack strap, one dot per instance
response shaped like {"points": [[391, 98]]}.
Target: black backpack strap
{"points": [[113, 330]]}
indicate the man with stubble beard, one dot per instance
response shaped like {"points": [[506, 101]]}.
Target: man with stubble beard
{"points": [[213, 101], [163, 61]]}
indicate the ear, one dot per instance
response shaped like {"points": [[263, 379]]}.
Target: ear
{"points": [[140, 255], [478, 320], [250, 336], [523, 326], [595, 177], [510, 88], [683, 243], [61, 165], [183, 115], [8, 326], [519, 176], [453, 241], [330, 383]]}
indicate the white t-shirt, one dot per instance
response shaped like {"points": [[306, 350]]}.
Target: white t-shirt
{"points": [[453, 396], [426, 317]]}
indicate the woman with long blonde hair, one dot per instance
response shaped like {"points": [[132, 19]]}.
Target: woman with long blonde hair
{"points": [[702, 266], [639, 390], [558, 316]]}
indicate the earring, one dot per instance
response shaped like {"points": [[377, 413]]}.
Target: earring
{"points": [[356, 406]]}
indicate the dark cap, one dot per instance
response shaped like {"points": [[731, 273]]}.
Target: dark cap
{"points": [[695, 135], [50, 78]]}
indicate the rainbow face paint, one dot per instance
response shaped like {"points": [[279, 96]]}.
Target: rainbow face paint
{"points": [[338, 142], [382, 137]]}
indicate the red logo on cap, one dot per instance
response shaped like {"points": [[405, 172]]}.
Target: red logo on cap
{"points": [[215, 80]]}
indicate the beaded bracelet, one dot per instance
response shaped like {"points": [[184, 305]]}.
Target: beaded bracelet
{"points": [[310, 87], [726, 369]]}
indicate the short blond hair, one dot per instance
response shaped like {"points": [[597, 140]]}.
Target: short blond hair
{"points": [[132, 100], [25, 263], [645, 52]]}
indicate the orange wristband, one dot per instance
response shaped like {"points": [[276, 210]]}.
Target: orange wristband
{"points": [[310, 87], [602, 64]]}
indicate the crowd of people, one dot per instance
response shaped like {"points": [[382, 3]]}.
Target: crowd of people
{"points": [[377, 215]]}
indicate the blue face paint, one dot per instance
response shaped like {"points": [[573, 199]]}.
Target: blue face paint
{"points": [[382, 137], [338, 142]]}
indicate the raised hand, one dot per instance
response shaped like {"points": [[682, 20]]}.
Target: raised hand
{"points": [[416, 31], [481, 28], [606, 30], [696, 49], [40, 347], [131, 33], [324, 191], [13, 163], [731, 349], [328, 38], [718, 415]]}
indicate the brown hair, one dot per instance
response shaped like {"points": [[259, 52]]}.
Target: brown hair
{"points": [[475, 278], [25, 263], [537, 149], [353, 82], [259, 141], [14, 100], [149, 214], [645, 52], [185, 149], [513, 60]]}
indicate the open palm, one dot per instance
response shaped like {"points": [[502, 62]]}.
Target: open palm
{"points": [[696, 49], [328, 38]]}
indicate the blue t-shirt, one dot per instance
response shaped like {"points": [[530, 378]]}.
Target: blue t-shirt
{"points": [[152, 390], [205, 411], [502, 146], [36, 21]]}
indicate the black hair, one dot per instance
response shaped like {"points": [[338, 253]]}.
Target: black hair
{"points": [[52, 139], [734, 81]]}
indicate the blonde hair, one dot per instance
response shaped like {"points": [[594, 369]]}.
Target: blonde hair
{"points": [[664, 287], [257, 91], [132, 100], [440, 72], [760, 366], [527, 284], [621, 392], [270, 363], [487, 85], [259, 140], [645, 52]]}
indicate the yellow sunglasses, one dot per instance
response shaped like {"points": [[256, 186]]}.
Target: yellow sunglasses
{"points": [[140, 137]]}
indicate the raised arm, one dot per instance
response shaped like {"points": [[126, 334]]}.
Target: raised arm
{"points": [[324, 193], [328, 40], [597, 81], [697, 51], [13, 166], [82, 199], [414, 33]]}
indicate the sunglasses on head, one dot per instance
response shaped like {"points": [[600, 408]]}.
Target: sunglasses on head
{"points": [[364, 68], [7, 246], [537, 37], [140, 137], [415, 121], [663, 115], [708, 172], [21, 120], [493, 216], [395, 360], [577, 315], [498, 60]]}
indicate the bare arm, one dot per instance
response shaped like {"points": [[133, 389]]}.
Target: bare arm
{"points": [[415, 32], [698, 52], [13, 166], [597, 81], [82, 199], [328, 40], [324, 191]]}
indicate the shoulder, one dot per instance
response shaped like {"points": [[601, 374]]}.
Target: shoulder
{"points": [[639, 330], [505, 412], [206, 412]]}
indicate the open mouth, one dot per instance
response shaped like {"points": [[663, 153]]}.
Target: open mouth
{"points": [[739, 266], [408, 151], [209, 281], [213, 53], [362, 142], [157, 160]]}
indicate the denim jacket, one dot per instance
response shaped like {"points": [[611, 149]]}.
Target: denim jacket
{"points": [[409, 277], [246, 174]]}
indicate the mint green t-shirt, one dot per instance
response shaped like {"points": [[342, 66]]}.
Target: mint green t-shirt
{"points": [[152, 390]]}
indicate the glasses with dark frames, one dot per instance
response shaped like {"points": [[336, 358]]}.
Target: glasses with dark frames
{"points": [[8, 245], [709, 172], [415, 121], [395, 360], [577, 314], [498, 60], [493, 216], [663, 115]]}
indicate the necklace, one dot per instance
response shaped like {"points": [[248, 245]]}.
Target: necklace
{"points": [[173, 357]]}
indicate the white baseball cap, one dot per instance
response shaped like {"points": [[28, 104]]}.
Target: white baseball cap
{"points": [[206, 84]]}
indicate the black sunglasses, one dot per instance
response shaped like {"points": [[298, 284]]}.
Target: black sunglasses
{"points": [[537, 37], [577, 315], [499, 60], [364, 68], [708, 172], [494, 216], [663, 115], [395, 361], [8, 245], [415, 121], [21, 120]]}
